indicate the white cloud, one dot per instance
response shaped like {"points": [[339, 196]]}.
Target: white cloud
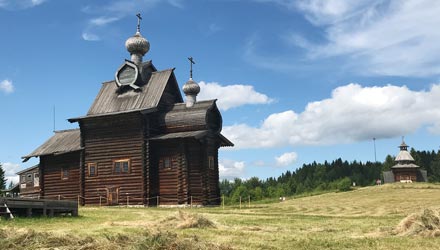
{"points": [[20, 4], [231, 96], [116, 10], [90, 37], [10, 170], [382, 37], [6, 86], [286, 159], [229, 169], [372, 37], [103, 20], [353, 113]]}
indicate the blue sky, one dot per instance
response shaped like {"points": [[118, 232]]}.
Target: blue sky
{"points": [[297, 81]]}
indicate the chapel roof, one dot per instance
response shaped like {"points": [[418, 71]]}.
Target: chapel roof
{"points": [[61, 142]]}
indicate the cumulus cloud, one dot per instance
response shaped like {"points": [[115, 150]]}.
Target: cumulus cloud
{"points": [[6, 86], [231, 96], [229, 169], [19, 4], [10, 170], [353, 113], [286, 159]]}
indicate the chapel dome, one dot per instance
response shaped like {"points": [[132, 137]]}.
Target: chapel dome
{"points": [[191, 87], [137, 44]]}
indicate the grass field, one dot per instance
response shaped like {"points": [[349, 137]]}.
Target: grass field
{"points": [[361, 219]]}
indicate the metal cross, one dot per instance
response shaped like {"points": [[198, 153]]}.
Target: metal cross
{"points": [[139, 22], [191, 61]]}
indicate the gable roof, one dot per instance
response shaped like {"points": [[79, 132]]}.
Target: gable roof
{"points": [[61, 142], [109, 101], [28, 169]]}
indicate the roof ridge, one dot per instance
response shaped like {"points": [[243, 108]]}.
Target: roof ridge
{"points": [[65, 130]]}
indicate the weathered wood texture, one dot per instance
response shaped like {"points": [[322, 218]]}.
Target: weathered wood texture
{"points": [[106, 140], [31, 207], [30, 183], [56, 185]]}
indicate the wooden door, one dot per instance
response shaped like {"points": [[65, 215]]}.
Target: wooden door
{"points": [[112, 196]]}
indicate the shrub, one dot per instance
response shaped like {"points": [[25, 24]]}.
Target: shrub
{"points": [[344, 184]]}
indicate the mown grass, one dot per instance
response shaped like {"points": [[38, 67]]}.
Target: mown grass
{"points": [[365, 218]]}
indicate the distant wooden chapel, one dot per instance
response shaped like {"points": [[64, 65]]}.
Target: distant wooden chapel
{"points": [[405, 170], [139, 142]]}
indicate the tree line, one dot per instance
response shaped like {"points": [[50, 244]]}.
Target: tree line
{"points": [[315, 177]]}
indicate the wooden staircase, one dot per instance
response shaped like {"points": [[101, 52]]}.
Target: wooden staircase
{"points": [[5, 212]]}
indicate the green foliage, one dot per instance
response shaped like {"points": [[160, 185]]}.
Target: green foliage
{"points": [[2, 178], [319, 177], [344, 184]]}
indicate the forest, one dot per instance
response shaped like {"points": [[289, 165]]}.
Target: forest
{"points": [[317, 177]]}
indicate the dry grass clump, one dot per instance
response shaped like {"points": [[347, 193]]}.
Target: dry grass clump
{"points": [[30, 239], [164, 240], [184, 220], [426, 223]]}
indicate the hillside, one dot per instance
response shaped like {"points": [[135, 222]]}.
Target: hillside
{"points": [[361, 219]]}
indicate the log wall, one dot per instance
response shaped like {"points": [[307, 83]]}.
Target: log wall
{"points": [[107, 140], [55, 186], [28, 189]]}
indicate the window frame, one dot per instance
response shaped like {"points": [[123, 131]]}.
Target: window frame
{"points": [[121, 170], [89, 166], [65, 173], [31, 179], [36, 175], [211, 162], [168, 159], [22, 178]]}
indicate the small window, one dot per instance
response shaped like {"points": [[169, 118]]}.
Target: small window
{"points": [[92, 169], [211, 162], [36, 179], [23, 178], [29, 178], [167, 162], [64, 174], [121, 166]]}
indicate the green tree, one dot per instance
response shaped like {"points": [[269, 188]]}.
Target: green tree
{"points": [[240, 191], [344, 184], [2, 178]]}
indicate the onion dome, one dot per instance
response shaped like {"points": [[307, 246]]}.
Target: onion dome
{"points": [[137, 44], [191, 88]]}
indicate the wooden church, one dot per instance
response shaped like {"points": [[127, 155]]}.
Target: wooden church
{"points": [[138, 143], [405, 170]]}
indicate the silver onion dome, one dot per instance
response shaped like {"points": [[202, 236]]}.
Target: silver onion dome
{"points": [[191, 87], [137, 44]]}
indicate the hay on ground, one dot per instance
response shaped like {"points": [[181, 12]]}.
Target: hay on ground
{"points": [[426, 223], [184, 220]]}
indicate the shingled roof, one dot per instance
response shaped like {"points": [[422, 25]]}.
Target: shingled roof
{"points": [[204, 115], [61, 142], [224, 142], [109, 101]]}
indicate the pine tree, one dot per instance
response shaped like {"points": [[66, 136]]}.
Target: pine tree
{"points": [[2, 178]]}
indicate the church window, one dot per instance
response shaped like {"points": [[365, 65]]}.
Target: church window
{"points": [[167, 162], [64, 174], [92, 169], [121, 166]]}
